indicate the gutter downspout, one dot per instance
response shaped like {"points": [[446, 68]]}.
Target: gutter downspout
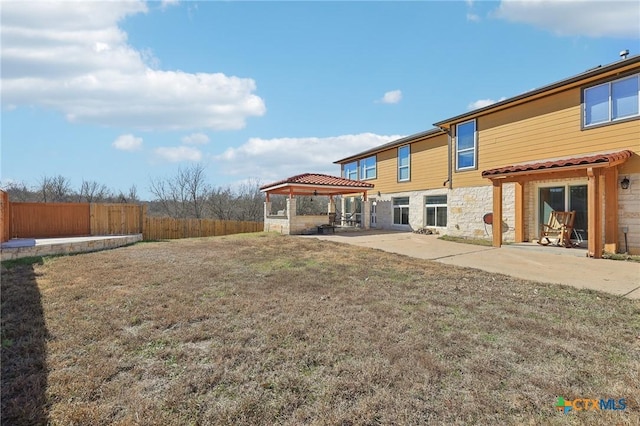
{"points": [[449, 158]]}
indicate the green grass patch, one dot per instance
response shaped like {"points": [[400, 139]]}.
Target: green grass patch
{"points": [[621, 256], [474, 241], [24, 261]]}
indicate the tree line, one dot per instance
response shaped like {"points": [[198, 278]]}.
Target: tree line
{"points": [[184, 195]]}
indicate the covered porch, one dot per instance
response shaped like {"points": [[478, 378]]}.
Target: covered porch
{"points": [[288, 221], [598, 172]]}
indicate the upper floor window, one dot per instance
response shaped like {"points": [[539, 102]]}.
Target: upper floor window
{"points": [[404, 163], [466, 145], [611, 101], [350, 171], [368, 168]]}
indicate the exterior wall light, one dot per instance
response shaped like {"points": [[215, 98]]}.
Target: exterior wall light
{"points": [[624, 183]]}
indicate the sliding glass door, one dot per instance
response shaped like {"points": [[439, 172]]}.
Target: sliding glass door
{"points": [[565, 198]]}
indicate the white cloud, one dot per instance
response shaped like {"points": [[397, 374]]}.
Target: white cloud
{"points": [[575, 17], [166, 3], [127, 143], [481, 103], [178, 154], [273, 159], [196, 139], [73, 58], [473, 17], [392, 97]]}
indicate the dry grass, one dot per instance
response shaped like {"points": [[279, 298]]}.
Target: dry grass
{"points": [[264, 329]]}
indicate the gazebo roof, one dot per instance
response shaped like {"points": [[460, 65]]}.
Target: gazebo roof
{"points": [[316, 184]]}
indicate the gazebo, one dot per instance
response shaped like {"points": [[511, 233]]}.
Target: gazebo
{"points": [[310, 184]]}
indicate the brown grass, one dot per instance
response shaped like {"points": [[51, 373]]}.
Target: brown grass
{"points": [[265, 329]]}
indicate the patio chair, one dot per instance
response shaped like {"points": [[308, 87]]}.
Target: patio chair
{"points": [[332, 219], [560, 227]]}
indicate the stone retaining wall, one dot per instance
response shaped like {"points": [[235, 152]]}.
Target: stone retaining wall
{"points": [[80, 246]]}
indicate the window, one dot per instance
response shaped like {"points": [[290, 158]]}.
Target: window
{"points": [[401, 211], [404, 163], [466, 146], [350, 171], [368, 168], [611, 101], [436, 210]]}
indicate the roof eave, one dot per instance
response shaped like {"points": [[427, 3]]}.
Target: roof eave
{"points": [[542, 91], [390, 145]]}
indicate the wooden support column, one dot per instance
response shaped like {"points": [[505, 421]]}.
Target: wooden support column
{"points": [[497, 212], [611, 210], [594, 219], [519, 225]]}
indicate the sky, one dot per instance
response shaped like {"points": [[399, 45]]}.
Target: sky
{"points": [[123, 93]]}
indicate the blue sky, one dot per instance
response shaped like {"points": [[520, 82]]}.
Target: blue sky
{"points": [[125, 92]]}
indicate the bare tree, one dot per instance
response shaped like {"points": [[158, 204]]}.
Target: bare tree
{"points": [[133, 194], [220, 202], [54, 189], [183, 195], [18, 191], [245, 202], [249, 201], [92, 192]]}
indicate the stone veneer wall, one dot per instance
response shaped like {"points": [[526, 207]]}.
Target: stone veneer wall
{"points": [[629, 214], [467, 206], [292, 223], [95, 244], [307, 223], [384, 208]]}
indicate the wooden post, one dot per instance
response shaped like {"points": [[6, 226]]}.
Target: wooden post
{"points": [[594, 221], [519, 225], [92, 218], [5, 217], [611, 210], [143, 221], [497, 212]]}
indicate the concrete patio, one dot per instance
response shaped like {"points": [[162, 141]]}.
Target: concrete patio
{"points": [[527, 261]]}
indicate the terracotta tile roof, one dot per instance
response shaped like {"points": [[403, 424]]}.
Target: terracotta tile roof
{"points": [[320, 179], [560, 163]]}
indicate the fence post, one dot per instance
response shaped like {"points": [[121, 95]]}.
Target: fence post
{"points": [[92, 218], [143, 221], [5, 217]]}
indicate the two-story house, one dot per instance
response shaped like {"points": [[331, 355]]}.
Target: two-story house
{"points": [[497, 172]]}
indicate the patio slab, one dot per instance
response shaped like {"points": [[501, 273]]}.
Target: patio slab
{"points": [[544, 264], [30, 247]]}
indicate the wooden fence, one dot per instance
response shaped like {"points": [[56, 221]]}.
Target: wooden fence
{"points": [[51, 220], [42, 220], [161, 228]]}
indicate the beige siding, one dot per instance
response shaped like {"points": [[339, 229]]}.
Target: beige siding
{"points": [[545, 128], [428, 167]]}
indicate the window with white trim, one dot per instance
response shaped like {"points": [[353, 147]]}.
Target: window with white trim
{"points": [[466, 145], [350, 171], [401, 211], [436, 210], [612, 101], [404, 163], [368, 168]]}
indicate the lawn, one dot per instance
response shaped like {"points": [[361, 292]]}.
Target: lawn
{"points": [[262, 329]]}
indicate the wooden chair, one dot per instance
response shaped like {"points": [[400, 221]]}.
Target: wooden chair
{"points": [[332, 219], [560, 226]]}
